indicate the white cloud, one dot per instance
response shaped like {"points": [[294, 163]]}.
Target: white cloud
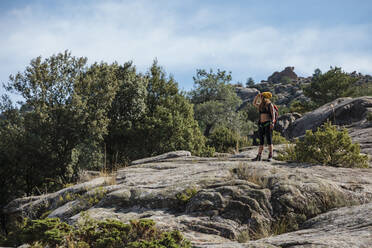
{"points": [[142, 30]]}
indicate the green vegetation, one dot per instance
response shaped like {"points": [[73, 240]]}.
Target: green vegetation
{"points": [[329, 86], [186, 195], [78, 117], [278, 138], [251, 113], [216, 110], [215, 101], [225, 139], [369, 117], [302, 107], [101, 116], [327, 146], [91, 233]]}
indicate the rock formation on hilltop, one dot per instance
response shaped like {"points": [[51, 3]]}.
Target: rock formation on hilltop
{"points": [[216, 202], [285, 85], [287, 74]]}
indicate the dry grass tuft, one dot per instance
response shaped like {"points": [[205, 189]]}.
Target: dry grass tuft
{"points": [[252, 175], [110, 177]]}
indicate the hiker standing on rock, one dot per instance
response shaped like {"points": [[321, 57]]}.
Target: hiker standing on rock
{"points": [[266, 122]]}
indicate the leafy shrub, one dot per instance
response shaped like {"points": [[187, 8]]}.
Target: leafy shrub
{"points": [[327, 146], [47, 231], [208, 151], [302, 107], [278, 138], [223, 139], [188, 193], [252, 112], [91, 233]]}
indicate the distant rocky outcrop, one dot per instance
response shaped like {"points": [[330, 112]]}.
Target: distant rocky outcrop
{"points": [[285, 86], [231, 199], [348, 112], [287, 74]]}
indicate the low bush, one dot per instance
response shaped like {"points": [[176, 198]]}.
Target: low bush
{"points": [[223, 139], [278, 138], [327, 146], [51, 232], [187, 194], [302, 107]]}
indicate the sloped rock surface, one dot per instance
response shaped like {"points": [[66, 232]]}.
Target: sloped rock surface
{"points": [[231, 196], [349, 227], [175, 154]]}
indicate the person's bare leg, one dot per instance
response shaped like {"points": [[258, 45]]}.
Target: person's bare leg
{"points": [[271, 147], [258, 158], [260, 149]]}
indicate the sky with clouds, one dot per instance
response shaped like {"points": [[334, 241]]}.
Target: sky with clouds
{"points": [[250, 38]]}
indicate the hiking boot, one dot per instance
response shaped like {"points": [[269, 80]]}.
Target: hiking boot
{"points": [[269, 158], [258, 158]]}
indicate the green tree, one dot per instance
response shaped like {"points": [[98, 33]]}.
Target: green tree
{"points": [[215, 101], [93, 95], [250, 82], [169, 122], [46, 142], [149, 116], [327, 87], [126, 113], [61, 125], [302, 106]]}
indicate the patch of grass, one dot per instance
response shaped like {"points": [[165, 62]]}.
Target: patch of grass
{"points": [[110, 177], [279, 139], [243, 237], [186, 195], [45, 214], [280, 226], [252, 175]]}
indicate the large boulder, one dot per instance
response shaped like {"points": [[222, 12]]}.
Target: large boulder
{"points": [[348, 227], [174, 154], [246, 94], [284, 121], [348, 112]]}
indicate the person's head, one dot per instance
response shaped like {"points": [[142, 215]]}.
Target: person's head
{"points": [[265, 96]]}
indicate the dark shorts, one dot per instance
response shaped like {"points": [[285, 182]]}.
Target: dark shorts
{"points": [[265, 130]]}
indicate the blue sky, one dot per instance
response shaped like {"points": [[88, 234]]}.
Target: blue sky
{"points": [[251, 38]]}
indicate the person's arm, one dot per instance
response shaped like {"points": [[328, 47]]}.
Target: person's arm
{"points": [[256, 99], [272, 111]]}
